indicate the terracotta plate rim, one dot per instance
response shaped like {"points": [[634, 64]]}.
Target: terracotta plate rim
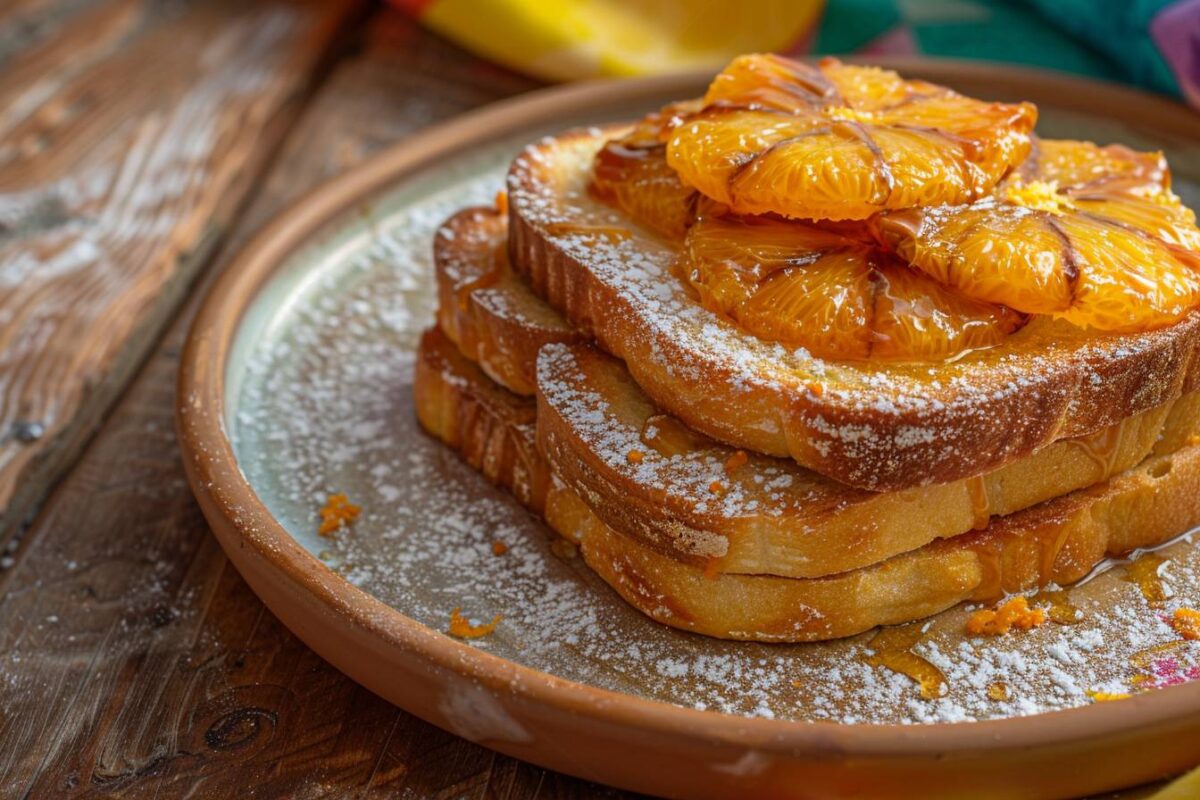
{"points": [[228, 499]]}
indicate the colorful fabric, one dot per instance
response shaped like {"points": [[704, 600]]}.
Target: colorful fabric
{"points": [[1151, 43]]}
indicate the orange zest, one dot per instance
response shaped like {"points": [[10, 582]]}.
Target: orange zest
{"points": [[736, 461], [1014, 613], [1186, 622], [499, 548], [501, 202], [635, 456], [337, 513], [1107, 697], [462, 628], [716, 487]]}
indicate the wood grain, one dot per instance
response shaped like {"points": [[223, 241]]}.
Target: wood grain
{"points": [[134, 662], [130, 132]]}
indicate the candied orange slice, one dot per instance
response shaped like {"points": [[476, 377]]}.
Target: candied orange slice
{"points": [[638, 181], [1090, 234], [631, 172], [837, 142], [832, 292]]}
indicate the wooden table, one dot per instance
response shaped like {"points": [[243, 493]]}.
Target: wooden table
{"points": [[140, 143]]}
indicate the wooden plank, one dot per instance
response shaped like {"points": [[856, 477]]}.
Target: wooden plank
{"points": [[130, 132], [134, 660]]}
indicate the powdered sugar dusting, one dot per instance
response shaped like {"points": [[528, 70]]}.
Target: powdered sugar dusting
{"points": [[325, 406]]}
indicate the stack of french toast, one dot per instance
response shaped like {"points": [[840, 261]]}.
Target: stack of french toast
{"points": [[826, 349]]}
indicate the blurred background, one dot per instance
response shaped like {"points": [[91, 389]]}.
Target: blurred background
{"points": [[1150, 43]]}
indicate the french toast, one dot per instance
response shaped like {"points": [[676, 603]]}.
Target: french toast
{"points": [[1059, 541], [682, 498], [826, 349], [874, 425]]}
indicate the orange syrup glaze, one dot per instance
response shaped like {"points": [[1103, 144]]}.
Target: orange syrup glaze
{"points": [[891, 648]]}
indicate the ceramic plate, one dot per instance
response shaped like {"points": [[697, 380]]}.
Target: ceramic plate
{"points": [[296, 383]]}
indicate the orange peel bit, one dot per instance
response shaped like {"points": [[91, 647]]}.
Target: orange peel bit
{"points": [[499, 548], [501, 202], [635, 456], [1013, 613], [1186, 622], [337, 513], [736, 462], [462, 628], [716, 487], [1107, 697]]}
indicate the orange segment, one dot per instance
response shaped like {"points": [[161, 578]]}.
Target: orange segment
{"points": [[770, 81], [631, 172], [638, 181], [1163, 216], [727, 258], [711, 148], [996, 253], [837, 142], [1091, 234], [824, 307], [1084, 165], [1127, 280], [831, 293], [843, 177], [915, 317], [872, 88]]}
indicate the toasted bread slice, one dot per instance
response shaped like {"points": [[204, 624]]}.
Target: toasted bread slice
{"points": [[484, 308], [728, 511], [878, 426], [1058, 541], [766, 516]]}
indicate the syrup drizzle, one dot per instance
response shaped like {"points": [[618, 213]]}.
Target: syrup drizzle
{"points": [[1144, 573], [891, 648], [1121, 561], [1101, 448], [981, 508], [1144, 659], [1058, 607], [668, 436]]}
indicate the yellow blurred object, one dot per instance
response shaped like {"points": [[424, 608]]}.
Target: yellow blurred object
{"points": [[592, 38], [1185, 788]]}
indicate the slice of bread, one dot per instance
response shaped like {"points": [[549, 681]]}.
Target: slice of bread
{"points": [[766, 516], [1059, 541], [878, 426], [484, 308], [698, 501]]}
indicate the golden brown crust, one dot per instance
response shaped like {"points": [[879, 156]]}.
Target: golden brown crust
{"points": [[487, 425], [874, 426], [486, 310], [1058, 541]]}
